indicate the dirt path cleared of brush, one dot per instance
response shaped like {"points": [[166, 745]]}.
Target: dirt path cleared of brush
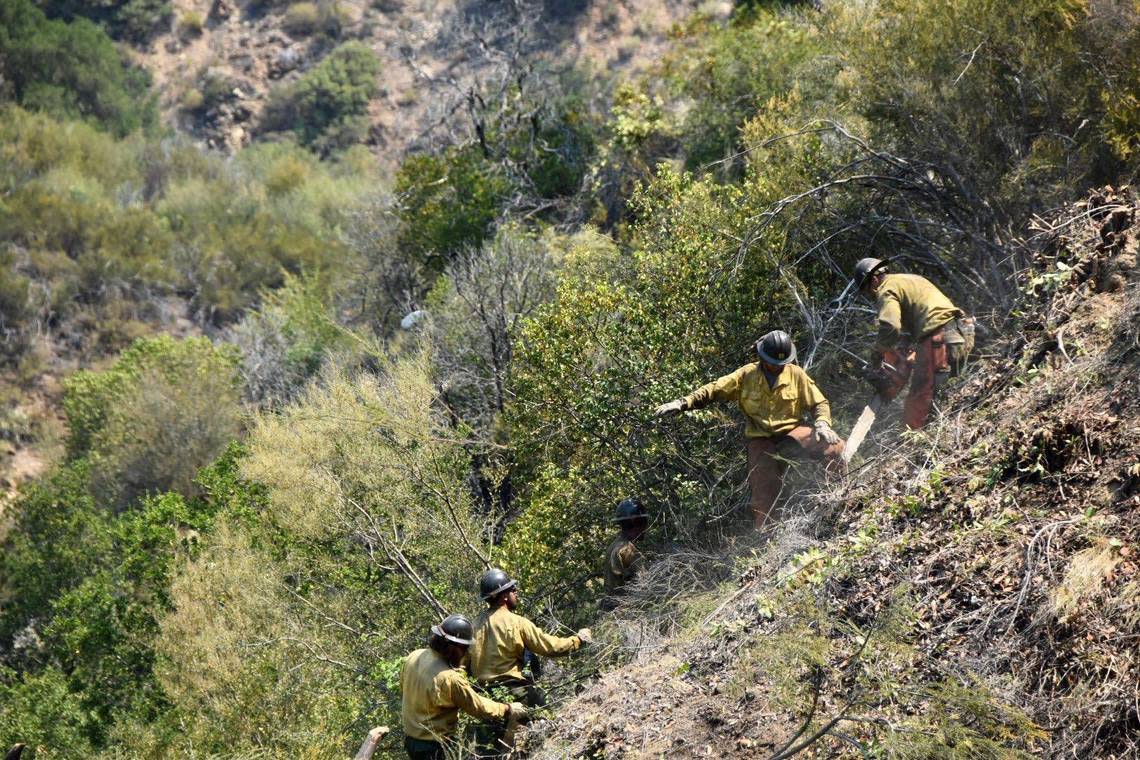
{"points": [[659, 707]]}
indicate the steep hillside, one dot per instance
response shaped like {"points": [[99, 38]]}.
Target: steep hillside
{"points": [[969, 591], [431, 53]]}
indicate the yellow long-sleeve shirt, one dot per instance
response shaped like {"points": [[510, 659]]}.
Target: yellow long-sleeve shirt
{"points": [[769, 411], [433, 693], [496, 651], [912, 304]]}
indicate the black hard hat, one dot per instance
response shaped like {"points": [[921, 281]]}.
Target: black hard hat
{"points": [[629, 509], [864, 268], [455, 628], [776, 348], [493, 583]]}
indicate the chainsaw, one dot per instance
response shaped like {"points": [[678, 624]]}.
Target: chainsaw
{"points": [[890, 379]]}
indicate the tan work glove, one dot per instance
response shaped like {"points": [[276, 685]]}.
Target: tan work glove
{"points": [[517, 715], [824, 433], [673, 407], [585, 636]]}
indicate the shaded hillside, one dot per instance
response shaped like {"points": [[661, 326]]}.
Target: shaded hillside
{"points": [[970, 591]]}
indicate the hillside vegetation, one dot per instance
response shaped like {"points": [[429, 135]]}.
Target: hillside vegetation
{"points": [[287, 405], [969, 591]]}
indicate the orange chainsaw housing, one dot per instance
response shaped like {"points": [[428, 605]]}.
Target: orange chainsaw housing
{"points": [[895, 367]]}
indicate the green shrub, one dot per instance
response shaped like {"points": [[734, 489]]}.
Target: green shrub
{"points": [[57, 538], [447, 202], [969, 87], [590, 366], [327, 97], [90, 602], [729, 72], [301, 18], [287, 339], [71, 70], [148, 423], [40, 710], [191, 24], [132, 20], [192, 100], [215, 87]]}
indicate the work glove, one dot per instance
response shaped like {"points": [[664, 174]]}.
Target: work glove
{"points": [[824, 433], [585, 636], [673, 407], [518, 713]]}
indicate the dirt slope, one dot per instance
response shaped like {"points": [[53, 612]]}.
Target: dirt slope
{"points": [[970, 591], [430, 51]]}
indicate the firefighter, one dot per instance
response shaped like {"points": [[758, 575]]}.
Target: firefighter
{"points": [[502, 644], [502, 640], [623, 560], [775, 395], [434, 689], [922, 336]]}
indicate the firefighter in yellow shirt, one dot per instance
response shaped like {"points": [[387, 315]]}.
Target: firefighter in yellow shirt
{"points": [[434, 689], [623, 560], [500, 645], [775, 395], [915, 317]]}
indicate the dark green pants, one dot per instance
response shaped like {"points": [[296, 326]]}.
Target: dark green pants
{"points": [[418, 749]]}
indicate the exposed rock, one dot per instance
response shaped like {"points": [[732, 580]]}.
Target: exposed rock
{"points": [[286, 60], [222, 10]]}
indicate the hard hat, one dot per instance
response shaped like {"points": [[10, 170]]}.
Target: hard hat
{"points": [[864, 268], [455, 628], [629, 509], [776, 348], [493, 583]]}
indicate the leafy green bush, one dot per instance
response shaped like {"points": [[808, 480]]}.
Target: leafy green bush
{"points": [[726, 75], [40, 710], [287, 339], [975, 90], [329, 97], [57, 538], [133, 20], [447, 202], [91, 588], [149, 422], [70, 70], [616, 341], [191, 24], [301, 18]]}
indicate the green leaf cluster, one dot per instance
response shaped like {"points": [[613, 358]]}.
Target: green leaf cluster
{"points": [[71, 70], [97, 232], [135, 21], [88, 589], [323, 107]]}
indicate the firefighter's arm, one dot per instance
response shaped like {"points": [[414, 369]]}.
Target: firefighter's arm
{"points": [[890, 322], [725, 388], [542, 643], [464, 696]]}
